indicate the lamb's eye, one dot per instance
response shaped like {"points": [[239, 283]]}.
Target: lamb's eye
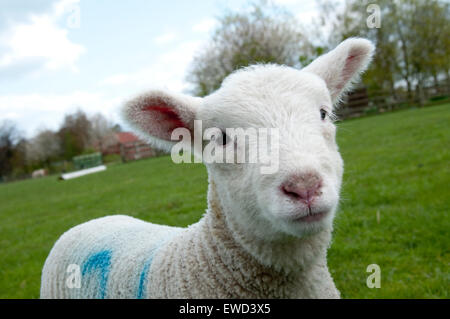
{"points": [[223, 139], [323, 114]]}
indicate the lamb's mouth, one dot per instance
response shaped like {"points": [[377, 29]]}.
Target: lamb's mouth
{"points": [[311, 217]]}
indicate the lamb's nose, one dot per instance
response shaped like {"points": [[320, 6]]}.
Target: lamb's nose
{"points": [[304, 187]]}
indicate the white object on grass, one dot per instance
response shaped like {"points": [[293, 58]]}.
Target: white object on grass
{"points": [[83, 172]]}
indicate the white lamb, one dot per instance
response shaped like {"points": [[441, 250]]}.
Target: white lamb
{"points": [[263, 235]]}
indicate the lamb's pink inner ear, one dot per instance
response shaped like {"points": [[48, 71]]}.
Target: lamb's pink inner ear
{"points": [[351, 67], [163, 120], [348, 71]]}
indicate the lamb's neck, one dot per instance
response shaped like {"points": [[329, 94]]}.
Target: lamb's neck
{"points": [[205, 261], [226, 270], [258, 268]]}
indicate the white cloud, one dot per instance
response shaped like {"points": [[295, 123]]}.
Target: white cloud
{"points": [[204, 25], [51, 108], [306, 17], [117, 79], [165, 38], [40, 39], [285, 2], [11, 115], [168, 70]]}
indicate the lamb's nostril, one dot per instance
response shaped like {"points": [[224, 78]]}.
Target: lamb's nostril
{"points": [[299, 193], [304, 188], [289, 192]]}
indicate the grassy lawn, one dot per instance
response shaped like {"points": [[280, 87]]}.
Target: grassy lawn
{"points": [[397, 164]]}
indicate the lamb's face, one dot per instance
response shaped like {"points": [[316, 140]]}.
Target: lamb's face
{"points": [[300, 196]]}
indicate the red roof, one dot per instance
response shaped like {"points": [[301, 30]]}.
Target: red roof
{"points": [[126, 137]]}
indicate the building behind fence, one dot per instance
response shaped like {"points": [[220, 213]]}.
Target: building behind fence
{"points": [[129, 147]]}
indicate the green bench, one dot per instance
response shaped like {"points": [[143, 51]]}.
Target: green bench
{"points": [[87, 161]]}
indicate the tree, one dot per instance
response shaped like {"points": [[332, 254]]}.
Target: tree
{"points": [[19, 162], [413, 42], [266, 34], [43, 148], [9, 136], [101, 128], [74, 134]]}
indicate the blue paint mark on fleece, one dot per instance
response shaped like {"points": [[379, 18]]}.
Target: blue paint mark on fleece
{"points": [[143, 278], [100, 261]]}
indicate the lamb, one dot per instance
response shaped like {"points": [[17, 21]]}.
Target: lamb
{"points": [[262, 235]]}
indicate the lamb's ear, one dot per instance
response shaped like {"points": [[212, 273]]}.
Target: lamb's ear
{"points": [[156, 114], [342, 66]]}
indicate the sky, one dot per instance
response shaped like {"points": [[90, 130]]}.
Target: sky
{"points": [[57, 56]]}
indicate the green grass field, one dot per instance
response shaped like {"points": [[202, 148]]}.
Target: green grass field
{"points": [[397, 164]]}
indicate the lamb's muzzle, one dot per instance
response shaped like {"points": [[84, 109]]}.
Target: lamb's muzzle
{"points": [[305, 187]]}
